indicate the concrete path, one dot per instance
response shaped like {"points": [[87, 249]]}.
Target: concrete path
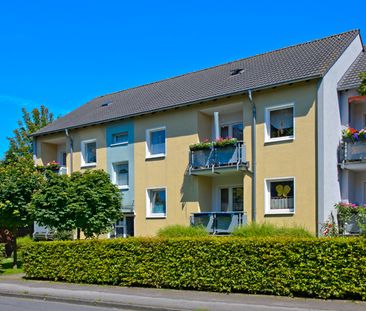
{"points": [[161, 299]]}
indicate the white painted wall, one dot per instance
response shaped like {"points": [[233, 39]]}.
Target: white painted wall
{"points": [[329, 124]]}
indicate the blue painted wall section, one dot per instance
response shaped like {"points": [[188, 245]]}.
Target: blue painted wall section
{"points": [[117, 153]]}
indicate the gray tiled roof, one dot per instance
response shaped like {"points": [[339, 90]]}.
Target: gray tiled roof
{"points": [[351, 78], [295, 63]]}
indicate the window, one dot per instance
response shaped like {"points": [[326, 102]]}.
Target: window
{"points": [[121, 175], [156, 202], [88, 152], [120, 138], [279, 123], [232, 130], [231, 199], [155, 143], [280, 196]]}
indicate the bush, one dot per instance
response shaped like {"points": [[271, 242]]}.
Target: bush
{"points": [[23, 242], [323, 268], [268, 230], [177, 231]]}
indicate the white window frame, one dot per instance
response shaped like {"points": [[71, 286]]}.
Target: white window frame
{"points": [[267, 196], [149, 214], [230, 127], [148, 143], [83, 151], [230, 187], [267, 130], [114, 175], [122, 143]]}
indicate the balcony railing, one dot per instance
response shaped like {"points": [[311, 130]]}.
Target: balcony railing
{"points": [[219, 222], [353, 151], [218, 157]]}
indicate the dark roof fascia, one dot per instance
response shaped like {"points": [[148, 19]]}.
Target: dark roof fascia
{"points": [[349, 87], [181, 105]]}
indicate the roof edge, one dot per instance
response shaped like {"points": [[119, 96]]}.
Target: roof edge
{"points": [[180, 105]]}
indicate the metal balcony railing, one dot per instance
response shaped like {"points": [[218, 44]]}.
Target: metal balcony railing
{"points": [[219, 222], [231, 155], [352, 151]]}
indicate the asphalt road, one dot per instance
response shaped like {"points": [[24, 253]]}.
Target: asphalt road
{"points": [[21, 304]]}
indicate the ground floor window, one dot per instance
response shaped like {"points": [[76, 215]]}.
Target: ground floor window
{"points": [[156, 202], [280, 195], [231, 199]]}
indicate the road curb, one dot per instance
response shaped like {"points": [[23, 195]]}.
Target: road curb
{"points": [[84, 302]]}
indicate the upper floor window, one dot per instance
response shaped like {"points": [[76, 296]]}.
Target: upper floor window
{"points": [[280, 123], [280, 196], [120, 138], [120, 172], [234, 130], [88, 152], [155, 143]]}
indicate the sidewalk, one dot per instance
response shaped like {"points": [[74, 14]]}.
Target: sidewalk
{"points": [[161, 299]]}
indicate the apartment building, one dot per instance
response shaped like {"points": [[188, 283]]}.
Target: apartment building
{"points": [[285, 110]]}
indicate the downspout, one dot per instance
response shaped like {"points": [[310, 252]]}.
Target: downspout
{"points": [[254, 157], [217, 125], [71, 149]]}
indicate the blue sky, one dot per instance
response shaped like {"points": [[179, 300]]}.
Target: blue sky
{"points": [[63, 53]]}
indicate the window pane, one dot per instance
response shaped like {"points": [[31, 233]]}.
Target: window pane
{"points": [[224, 195], [63, 159], [120, 138], [158, 201], [282, 122], [224, 131], [91, 155], [238, 199], [121, 171], [157, 142], [282, 194], [238, 131]]}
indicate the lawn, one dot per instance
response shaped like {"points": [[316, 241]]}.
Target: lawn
{"points": [[6, 266]]}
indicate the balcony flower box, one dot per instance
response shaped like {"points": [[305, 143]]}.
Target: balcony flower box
{"points": [[352, 135], [226, 151], [201, 153]]}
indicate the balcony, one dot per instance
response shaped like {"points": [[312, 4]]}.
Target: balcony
{"points": [[353, 155], [219, 223], [217, 160]]}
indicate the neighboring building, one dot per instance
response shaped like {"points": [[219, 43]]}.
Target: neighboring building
{"points": [[283, 107]]}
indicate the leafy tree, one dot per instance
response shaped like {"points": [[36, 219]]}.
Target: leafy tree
{"points": [[18, 182], [362, 87], [21, 144], [87, 202]]}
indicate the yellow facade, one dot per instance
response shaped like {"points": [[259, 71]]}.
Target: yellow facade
{"points": [[184, 126]]}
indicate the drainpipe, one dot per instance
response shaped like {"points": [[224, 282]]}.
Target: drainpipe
{"points": [[71, 149], [254, 157], [216, 125]]}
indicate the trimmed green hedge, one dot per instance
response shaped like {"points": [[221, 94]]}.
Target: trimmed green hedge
{"points": [[324, 268]]}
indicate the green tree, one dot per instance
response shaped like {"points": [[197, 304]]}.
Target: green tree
{"points": [[362, 87], [20, 145], [87, 202], [18, 181]]}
